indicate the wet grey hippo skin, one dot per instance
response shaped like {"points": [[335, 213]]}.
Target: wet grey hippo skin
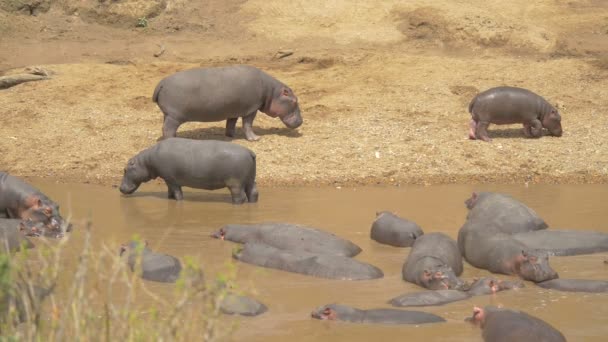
{"points": [[484, 286], [511, 105], [504, 325], [317, 265], [21, 200], [575, 285], [290, 237], [565, 242], [154, 266], [390, 229], [434, 262], [233, 304], [224, 93], [337, 312], [501, 253], [208, 165], [12, 235]]}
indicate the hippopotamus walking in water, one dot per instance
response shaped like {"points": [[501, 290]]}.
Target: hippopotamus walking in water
{"points": [[483, 286], [224, 93], [504, 325], [511, 105], [290, 237], [21, 200], [154, 266], [209, 165], [575, 285], [317, 265], [337, 312], [391, 229], [435, 263]]}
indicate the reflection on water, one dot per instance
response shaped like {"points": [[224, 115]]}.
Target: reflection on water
{"points": [[183, 229]]}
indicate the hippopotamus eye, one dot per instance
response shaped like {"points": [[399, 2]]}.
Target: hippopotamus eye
{"points": [[327, 311]]}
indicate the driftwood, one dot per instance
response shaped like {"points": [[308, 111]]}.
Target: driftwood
{"points": [[34, 74]]}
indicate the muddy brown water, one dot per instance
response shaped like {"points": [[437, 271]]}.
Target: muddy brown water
{"points": [[182, 229]]}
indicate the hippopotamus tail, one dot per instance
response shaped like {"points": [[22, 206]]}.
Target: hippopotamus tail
{"points": [[472, 104], [157, 91]]}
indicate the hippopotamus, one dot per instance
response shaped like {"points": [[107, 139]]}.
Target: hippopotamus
{"points": [[316, 265], [26, 298], [434, 262], [501, 253], [290, 237], [393, 230], [502, 213], [11, 234], [575, 285], [233, 304], [511, 105], [154, 266], [209, 165], [337, 312], [483, 286], [504, 325], [564, 242], [21, 200], [224, 93]]}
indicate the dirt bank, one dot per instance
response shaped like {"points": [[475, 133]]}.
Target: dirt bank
{"points": [[383, 87]]}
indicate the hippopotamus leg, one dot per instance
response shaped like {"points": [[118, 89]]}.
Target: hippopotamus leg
{"points": [[170, 126], [472, 128], [481, 131], [238, 194], [247, 127], [174, 191], [251, 191], [533, 129], [231, 126]]}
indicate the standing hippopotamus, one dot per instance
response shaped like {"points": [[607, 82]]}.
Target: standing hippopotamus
{"points": [[510, 105], [484, 286], [501, 253], [209, 165], [504, 325], [11, 234], [225, 93], [575, 285], [391, 229], [154, 266], [21, 200], [564, 242], [290, 237], [316, 265], [434, 262], [337, 312]]}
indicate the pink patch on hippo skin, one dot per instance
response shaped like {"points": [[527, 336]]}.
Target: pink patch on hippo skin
{"points": [[472, 127]]}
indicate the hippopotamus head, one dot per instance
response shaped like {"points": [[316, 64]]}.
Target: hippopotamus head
{"points": [[491, 285], [332, 312], [134, 174], [42, 218], [284, 104], [478, 318], [553, 123], [534, 266], [219, 234], [442, 278], [34, 228]]}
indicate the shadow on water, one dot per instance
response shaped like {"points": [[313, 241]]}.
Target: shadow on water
{"points": [[188, 196]]}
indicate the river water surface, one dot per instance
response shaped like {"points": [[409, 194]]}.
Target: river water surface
{"points": [[183, 229]]}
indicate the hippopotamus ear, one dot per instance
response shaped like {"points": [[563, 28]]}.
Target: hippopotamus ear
{"points": [[33, 201]]}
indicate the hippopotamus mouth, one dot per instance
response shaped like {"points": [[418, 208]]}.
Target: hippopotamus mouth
{"points": [[128, 189], [292, 120]]}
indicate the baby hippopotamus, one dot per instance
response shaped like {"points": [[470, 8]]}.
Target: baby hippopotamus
{"points": [[154, 266], [337, 312], [510, 105], [224, 93], [208, 165], [393, 230], [509, 325], [12, 234]]}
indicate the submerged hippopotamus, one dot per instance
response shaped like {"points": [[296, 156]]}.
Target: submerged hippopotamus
{"points": [[154, 266], [434, 262], [224, 93], [483, 286], [209, 165], [21, 200], [506, 325], [501, 253], [288, 236], [511, 105], [317, 265], [564, 242], [393, 230], [233, 304], [12, 234], [575, 285], [337, 312]]}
